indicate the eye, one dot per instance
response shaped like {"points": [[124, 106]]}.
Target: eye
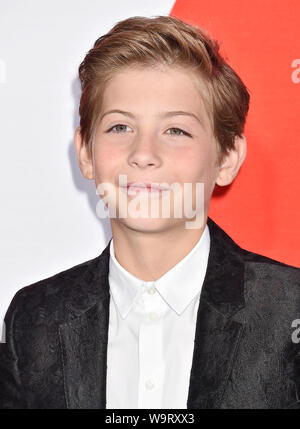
{"points": [[179, 132], [118, 128]]}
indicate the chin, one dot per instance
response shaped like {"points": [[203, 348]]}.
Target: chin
{"points": [[149, 225]]}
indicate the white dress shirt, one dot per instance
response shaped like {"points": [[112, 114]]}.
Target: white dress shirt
{"points": [[151, 332]]}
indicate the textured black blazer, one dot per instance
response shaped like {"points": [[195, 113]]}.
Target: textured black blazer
{"points": [[55, 355]]}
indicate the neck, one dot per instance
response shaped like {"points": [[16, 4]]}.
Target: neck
{"points": [[148, 255]]}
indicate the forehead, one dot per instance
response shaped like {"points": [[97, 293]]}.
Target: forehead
{"points": [[155, 87]]}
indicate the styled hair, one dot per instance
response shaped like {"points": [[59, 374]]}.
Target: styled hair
{"points": [[165, 40]]}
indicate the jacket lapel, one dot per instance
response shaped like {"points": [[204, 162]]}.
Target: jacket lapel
{"points": [[217, 333], [84, 338]]}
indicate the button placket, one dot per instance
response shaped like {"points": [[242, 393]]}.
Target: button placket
{"points": [[151, 366], [151, 362]]}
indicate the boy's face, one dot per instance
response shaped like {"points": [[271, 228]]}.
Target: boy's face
{"points": [[152, 144]]}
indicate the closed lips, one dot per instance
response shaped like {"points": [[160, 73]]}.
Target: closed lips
{"points": [[147, 186]]}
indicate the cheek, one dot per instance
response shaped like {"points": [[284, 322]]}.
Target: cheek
{"points": [[198, 166], [194, 165], [106, 160]]}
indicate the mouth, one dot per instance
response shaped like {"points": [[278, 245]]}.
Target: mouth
{"points": [[134, 187]]}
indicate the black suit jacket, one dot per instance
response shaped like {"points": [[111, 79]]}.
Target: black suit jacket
{"points": [[55, 354]]}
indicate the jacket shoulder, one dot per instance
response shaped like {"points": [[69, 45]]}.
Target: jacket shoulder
{"points": [[222, 236], [57, 282], [249, 256], [255, 264], [50, 295], [275, 277]]}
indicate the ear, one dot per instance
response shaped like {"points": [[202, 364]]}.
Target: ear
{"points": [[84, 158], [232, 162]]}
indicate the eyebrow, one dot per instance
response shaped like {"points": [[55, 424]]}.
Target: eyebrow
{"points": [[163, 114]]}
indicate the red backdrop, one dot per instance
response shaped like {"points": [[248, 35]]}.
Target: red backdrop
{"points": [[260, 39]]}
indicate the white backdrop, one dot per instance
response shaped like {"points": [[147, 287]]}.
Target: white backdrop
{"points": [[48, 210]]}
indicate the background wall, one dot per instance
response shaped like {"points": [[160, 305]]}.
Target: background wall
{"points": [[48, 219], [261, 40]]}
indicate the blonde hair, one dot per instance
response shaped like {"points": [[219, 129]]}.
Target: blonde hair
{"points": [[142, 41]]}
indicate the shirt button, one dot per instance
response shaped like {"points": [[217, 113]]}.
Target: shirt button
{"points": [[149, 384], [152, 290], [153, 316]]}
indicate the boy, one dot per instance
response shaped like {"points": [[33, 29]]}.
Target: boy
{"points": [[173, 313]]}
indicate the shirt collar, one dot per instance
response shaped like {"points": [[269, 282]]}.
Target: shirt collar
{"points": [[178, 286]]}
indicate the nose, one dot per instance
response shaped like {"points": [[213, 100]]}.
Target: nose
{"points": [[144, 152]]}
